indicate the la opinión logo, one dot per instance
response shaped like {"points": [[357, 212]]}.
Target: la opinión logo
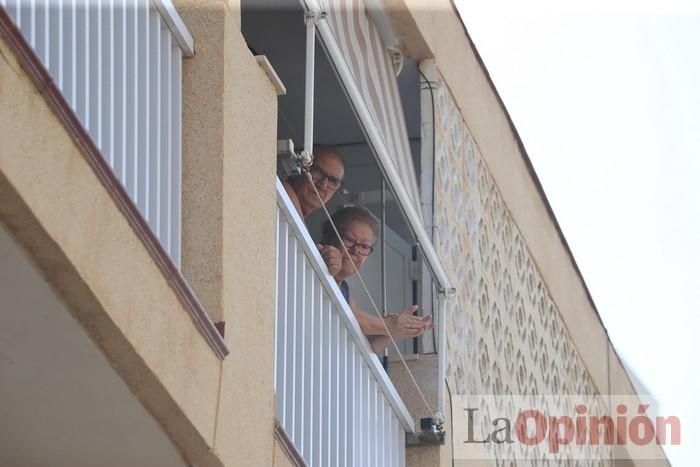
{"points": [[532, 427]]}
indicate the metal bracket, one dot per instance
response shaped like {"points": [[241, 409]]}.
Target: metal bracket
{"points": [[431, 433], [315, 17], [304, 159]]}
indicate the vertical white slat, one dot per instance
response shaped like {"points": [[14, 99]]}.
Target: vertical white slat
{"points": [[131, 121], [122, 81], [67, 63], [73, 63], [94, 72], [328, 414], [102, 94], [87, 77], [360, 412], [299, 360], [348, 402], [282, 311], [357, 412], [379, 426], [369, 420], [367, 414], [166, 135], [143, 100], [278, 284], [324, 367], [393, 427], [374, 423], [316, 384], [307, 389], [336, 382], [61, 43], [176, 166], [341, 423], [386, 435], [80, 59], [400, 443], [291, 348], [119, 86], [46, 35], [155, 120], [109, 111], [383, 442], [289, 329]]}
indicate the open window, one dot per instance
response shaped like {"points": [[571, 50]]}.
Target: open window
{"points": [[394, 272]]}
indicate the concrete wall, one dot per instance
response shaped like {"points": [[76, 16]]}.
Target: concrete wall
{"points": [[229, 157]]}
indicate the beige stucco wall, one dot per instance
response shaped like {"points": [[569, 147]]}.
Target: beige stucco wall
{"points": [[229, 157]]}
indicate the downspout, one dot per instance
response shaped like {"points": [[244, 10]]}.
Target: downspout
{"points": [[442, 355], [385, 357], [427, 71]]}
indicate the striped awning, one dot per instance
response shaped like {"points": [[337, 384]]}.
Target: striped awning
{"points": [[366, 56]]}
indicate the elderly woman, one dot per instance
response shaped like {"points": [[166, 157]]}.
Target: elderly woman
{"points": [[358, 231]]}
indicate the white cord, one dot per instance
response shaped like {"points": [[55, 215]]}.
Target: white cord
{"points": [[364, 286]]}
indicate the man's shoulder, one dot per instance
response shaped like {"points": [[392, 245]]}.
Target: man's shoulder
{"points": [[289, 189], [292, 195]]}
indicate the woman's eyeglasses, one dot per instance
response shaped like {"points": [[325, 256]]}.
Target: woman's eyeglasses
{"points": [[318, 175], [362, 248]]}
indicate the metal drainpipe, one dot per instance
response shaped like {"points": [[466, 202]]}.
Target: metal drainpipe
{"points": [[385, 358], [442, 353]]}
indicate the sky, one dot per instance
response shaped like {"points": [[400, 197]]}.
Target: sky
{"points": [[606, 98]]}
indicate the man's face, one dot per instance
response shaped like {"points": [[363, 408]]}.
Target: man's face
{"points": [[326, 172]]}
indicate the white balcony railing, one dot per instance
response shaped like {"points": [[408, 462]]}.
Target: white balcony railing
{"points": [[334, 399], [118, 63]]}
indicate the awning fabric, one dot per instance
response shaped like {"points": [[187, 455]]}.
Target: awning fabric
{"points": [[371, 66]]}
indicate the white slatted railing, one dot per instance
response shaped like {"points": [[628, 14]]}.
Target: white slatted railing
{"points": [[118, 63], [333, 397]]}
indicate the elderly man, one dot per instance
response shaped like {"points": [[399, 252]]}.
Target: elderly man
{"points": [[327, 174]]}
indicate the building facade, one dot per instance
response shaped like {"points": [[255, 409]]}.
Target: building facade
{"points": [[164, 304]]}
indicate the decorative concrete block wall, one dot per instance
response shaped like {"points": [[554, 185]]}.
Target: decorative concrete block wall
{"points": [[505, 334]]}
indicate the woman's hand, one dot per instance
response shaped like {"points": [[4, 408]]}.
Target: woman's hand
{"points": [[405, 324], [331, 255]]}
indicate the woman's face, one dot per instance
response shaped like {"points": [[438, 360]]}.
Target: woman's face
{"points": [[360, 236]]}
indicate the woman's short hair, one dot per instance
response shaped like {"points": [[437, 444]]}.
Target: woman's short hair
{"points": [[342, 218]]}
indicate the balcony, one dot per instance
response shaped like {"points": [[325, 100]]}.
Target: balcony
{"points": [[333, 398], [118, 65]]}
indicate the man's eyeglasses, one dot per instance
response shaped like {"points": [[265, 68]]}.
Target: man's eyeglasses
{"points": [[362, 248], [318, 175]]}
